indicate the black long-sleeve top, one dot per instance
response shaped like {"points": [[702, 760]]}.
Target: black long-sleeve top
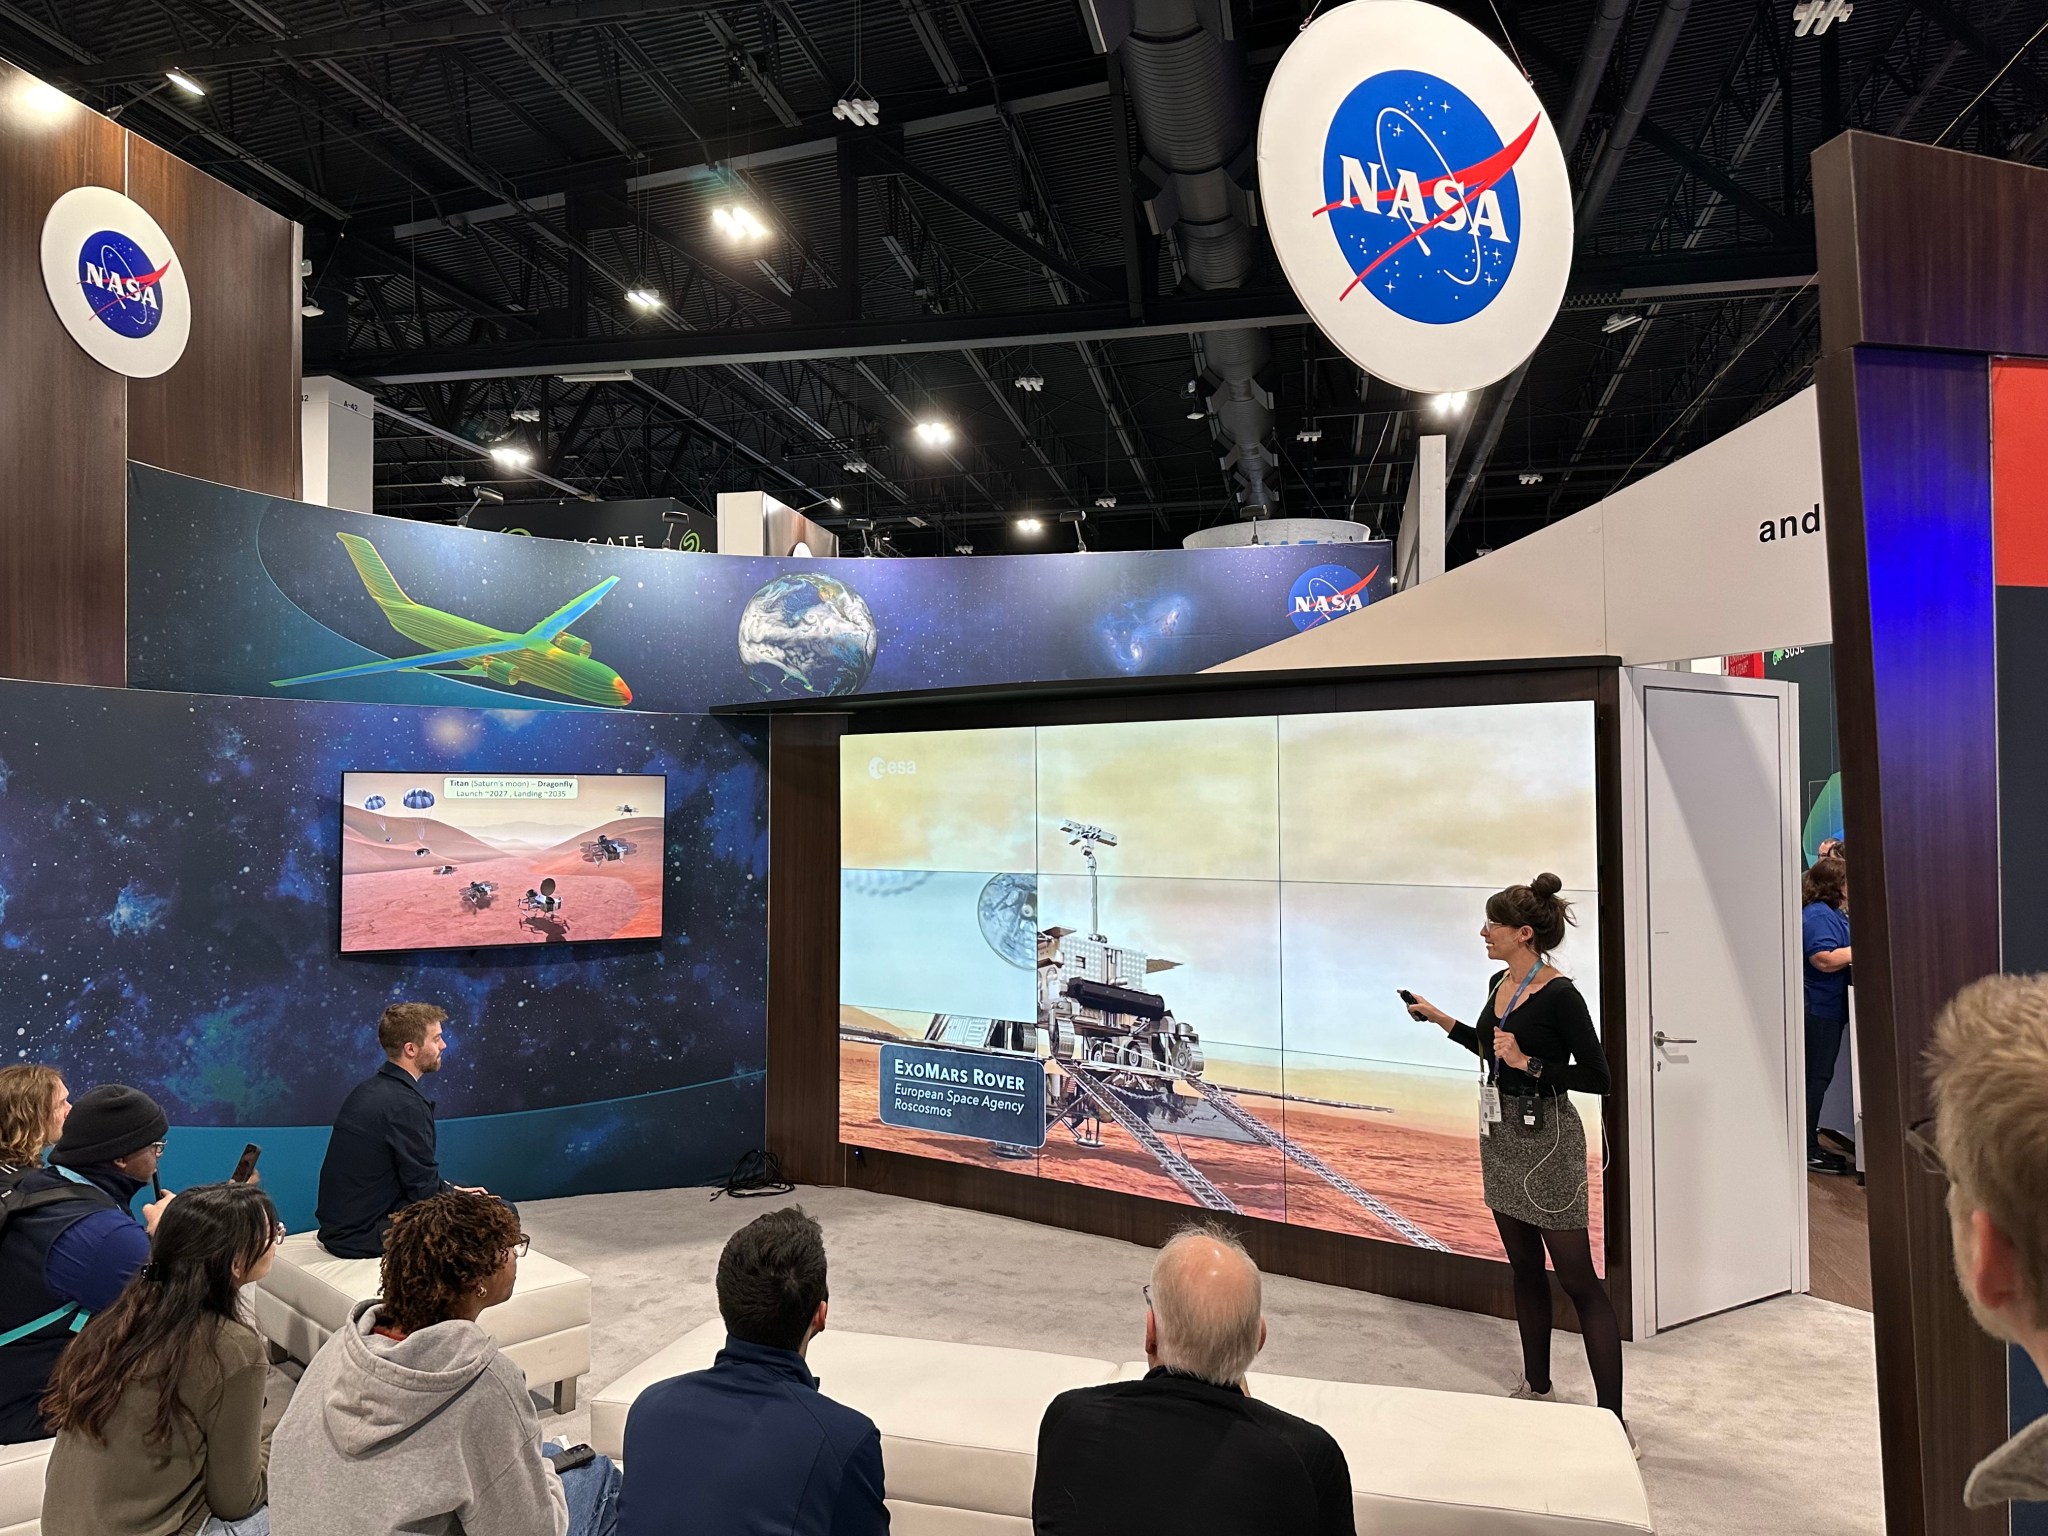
{"points": [[1551, 1024], [379, 1160]]}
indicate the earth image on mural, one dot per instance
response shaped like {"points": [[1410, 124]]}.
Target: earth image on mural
{"points": [[806, 634], [1008, 910]]}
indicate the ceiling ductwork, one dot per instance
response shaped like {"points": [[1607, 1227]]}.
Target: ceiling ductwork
{"points": [[1191, 94]]}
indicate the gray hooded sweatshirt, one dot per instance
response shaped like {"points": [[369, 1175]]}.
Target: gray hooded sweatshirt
{"points": [[429, 1435]]}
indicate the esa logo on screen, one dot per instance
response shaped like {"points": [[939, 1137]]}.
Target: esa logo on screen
{"points": [[1421, 196], [1325, 592], [883, 768]]}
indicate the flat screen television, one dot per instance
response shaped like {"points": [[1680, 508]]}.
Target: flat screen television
{"points": [[452, 861], [1163, 956]]}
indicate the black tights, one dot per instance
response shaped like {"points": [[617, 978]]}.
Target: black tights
{"points": [[1572, 1252]]}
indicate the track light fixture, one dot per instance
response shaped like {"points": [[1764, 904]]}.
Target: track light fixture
{"points": [[1031, 383], [855, 466], [1107, 503], [1816, 16], [1309, 435], [526, 413], [184, 82], [1620, 320], [458, 481], [1191, 396], [1531, 477], [858, 107]]}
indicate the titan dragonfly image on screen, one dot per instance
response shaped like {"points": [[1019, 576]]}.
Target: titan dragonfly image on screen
{"points": [[448, 861], [1163, 957]]}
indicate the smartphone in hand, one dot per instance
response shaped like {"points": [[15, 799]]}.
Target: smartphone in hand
{"points": [[245, 1165]]}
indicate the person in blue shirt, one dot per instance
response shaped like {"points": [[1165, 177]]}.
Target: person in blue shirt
{"points": [[71, 1245], [751, 1447], [1825, 940]]}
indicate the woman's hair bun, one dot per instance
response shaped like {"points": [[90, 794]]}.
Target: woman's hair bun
{"points": [[1546, 885]]}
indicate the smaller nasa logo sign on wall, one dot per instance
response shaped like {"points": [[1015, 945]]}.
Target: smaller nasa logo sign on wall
{"points": [[115, 282], [1416, 194], [1325, 592]]}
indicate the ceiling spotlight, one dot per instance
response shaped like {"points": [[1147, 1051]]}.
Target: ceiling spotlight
{"points": [[935, 433], [643, 298], [1107, 503], [526, 413], [855, 466], [1620, 320], [184, 82], [311, 309], [1309, 435], [510, 455], [738, 222], [1030, 382], [1191, 396], [835, 503], [458, 481], [858, 107], [1531, 477], [1448, 404], [1816, 16], [1029, 525]]}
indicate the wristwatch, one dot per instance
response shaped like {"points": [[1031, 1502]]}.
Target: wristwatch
{"points": [[1534, 1067]]}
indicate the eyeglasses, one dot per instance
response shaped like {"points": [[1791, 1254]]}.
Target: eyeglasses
{"points": [[158, 1146], [277, 1234], [1148, 1296], [520, 1249], [1920, 1137]]}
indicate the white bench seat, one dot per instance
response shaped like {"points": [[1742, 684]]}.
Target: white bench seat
{"points": [[544, 1328], [959, 1426], [21, 1487]]}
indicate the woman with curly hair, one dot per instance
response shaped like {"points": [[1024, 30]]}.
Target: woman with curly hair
{"points": [[33, 1104], [410, 1420], [158, 1403]]}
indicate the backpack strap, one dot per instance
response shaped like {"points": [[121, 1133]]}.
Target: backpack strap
{"points": [[73, 1310]]}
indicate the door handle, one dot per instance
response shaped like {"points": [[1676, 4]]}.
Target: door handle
{"points": [[1663, 1039]]}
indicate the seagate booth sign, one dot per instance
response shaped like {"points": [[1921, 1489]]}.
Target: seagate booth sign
{"points": [[1416, 194], [115, 282]]}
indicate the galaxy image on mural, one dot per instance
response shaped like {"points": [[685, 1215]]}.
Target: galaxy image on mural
{"points": [[169, 906]]}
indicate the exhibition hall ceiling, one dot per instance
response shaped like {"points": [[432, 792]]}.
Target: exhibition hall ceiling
{"points": [[500, 192]]}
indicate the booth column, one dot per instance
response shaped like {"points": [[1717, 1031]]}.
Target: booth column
{"points": [[337, 436]]}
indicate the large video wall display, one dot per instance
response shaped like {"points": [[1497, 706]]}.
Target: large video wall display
{"points": [[1164, 957]]}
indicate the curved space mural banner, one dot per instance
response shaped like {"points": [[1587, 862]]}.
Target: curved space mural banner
{"points": [[233, 592], [170, 912]]}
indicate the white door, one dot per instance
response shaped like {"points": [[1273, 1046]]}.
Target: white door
{"points": [[1725, 1181]]}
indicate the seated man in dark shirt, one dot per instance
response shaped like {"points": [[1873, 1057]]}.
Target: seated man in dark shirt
{"points": [[1187, 1449], [381, 1156], [751, 1447]]}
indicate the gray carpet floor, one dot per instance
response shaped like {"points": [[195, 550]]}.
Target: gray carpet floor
{"points": [[1762, 1420]]}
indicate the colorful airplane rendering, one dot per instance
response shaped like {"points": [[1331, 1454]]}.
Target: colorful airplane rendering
{"points": [[546, 656]]}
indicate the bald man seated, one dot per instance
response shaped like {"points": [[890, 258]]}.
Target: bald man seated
{"points": [[1186, 1449]]}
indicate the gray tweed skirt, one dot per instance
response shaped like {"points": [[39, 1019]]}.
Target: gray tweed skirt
{"points": [[1537, 1173]]}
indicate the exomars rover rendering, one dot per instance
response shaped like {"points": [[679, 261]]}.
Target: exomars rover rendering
{"points": [[1114, 1050]]}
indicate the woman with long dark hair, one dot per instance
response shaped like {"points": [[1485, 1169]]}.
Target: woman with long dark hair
{"points": [[157, 1405], [1824, 936], [1536, 1045]]}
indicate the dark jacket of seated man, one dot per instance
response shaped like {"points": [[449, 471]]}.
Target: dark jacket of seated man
{"points": [[380, 1159], [751, 1447], [1175, 1453]]}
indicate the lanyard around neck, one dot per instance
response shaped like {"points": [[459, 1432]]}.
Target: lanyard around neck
{"points": [[1489, 1069]]}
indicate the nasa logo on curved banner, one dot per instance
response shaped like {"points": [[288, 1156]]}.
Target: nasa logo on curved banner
{"points": [[115, 282], [1420, 211], [1327, 592]]}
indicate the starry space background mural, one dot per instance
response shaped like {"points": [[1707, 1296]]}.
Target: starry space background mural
{"points": [[169, 917]]}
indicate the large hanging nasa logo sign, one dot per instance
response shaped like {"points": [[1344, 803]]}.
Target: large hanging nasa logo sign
{"points": [[115, 282], [1416, 194]]}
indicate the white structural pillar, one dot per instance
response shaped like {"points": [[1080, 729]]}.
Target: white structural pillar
{"points": [[337, 436], [1419, 547]]}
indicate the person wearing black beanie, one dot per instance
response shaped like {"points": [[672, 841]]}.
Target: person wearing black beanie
{"points": [[71, 1244]]}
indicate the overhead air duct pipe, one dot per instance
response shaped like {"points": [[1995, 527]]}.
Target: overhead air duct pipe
{"points": [[1191, 93]]}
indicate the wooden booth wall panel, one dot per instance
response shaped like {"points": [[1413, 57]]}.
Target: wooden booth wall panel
{"points": [[1905, 440], [63, 419], [229, 412]]}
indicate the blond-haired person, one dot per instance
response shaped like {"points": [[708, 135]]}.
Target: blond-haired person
{"points": [[33, 1105], [1988, 1067]]}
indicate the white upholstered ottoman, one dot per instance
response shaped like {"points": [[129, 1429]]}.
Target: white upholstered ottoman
{"points": [[21, 1487], [959, 1422], [959, 1427], [544, 1329]]}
